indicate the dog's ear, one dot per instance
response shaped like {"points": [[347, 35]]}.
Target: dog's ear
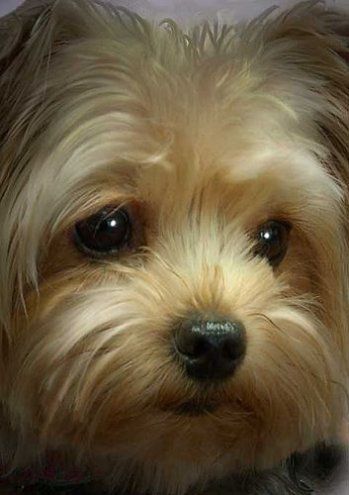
{"points": [[18, 27], [32, 34], [26, 38], [309, 46]]}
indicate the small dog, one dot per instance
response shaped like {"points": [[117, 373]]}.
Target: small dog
{"points": [[174, 258]]}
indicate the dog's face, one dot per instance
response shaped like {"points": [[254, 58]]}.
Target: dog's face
{"points": [[172, 222]]}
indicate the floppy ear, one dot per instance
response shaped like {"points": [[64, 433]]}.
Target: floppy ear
{"points": [[17, 28], [313, 42], [26, 37], [31, 34], [334, 122]]}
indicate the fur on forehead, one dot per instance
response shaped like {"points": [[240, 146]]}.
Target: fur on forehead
{"points": [[91, 93]]}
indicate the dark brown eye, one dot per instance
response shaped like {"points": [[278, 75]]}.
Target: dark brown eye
{"points": [[104, 233], [272, 241]]}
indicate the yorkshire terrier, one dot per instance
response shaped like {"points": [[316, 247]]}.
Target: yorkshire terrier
{"points": [[174, 258]]}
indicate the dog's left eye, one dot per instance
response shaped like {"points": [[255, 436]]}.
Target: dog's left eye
{"points": [[272, 241], [104, 233]]}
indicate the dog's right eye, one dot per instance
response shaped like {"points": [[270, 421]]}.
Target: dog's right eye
{"points": [[104, 233]]}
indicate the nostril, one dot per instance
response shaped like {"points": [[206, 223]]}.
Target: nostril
{"points": [[233, 347], [191, 344], [200, 347], [229, 349]]}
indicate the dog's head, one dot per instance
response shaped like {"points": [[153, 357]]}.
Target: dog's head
{"points": [[173, 262]]}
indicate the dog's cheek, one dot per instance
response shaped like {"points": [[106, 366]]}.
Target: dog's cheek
{"points": [[108, 373], [300, 269]]}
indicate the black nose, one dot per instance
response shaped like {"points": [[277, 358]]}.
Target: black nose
{"points": [[210, 349]]}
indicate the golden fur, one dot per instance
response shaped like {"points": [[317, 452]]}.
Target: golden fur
{"points": [[206, 135]]}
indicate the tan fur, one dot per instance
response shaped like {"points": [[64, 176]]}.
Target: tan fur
{"points": [[206, 135]]}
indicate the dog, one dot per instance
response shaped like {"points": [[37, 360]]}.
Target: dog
{"points": [[174, 242]]}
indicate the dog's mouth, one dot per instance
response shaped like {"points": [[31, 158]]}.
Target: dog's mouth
{"points": [[203, 405], [194, 408]]}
